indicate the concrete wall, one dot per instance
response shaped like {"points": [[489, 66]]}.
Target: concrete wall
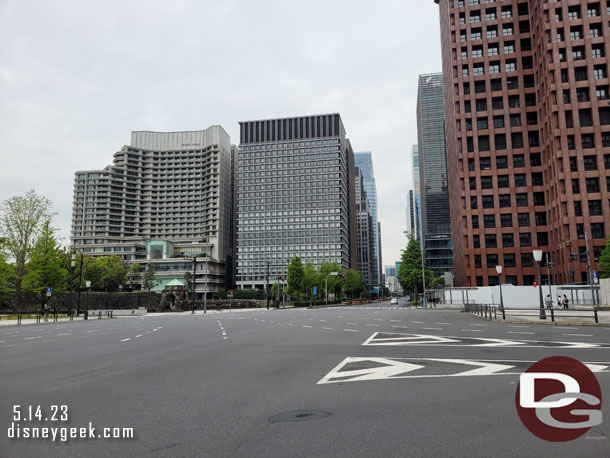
{"points": [[517, 296], [604, 291]]}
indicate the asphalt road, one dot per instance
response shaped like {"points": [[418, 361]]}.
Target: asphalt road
{"points": [[361, 381]]}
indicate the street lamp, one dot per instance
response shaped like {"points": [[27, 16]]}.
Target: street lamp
{"points": [[499, 270], [538, 257], [326, 284], [88, 284], [72, 266]]}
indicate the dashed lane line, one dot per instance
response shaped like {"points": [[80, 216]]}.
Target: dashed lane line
{"points": [[472, 330], [402, 327], [433, 329], [125, 340], [139, 335], [519, 332], [29, 338], [417, 322], [351, 330], [578, 335], [329, 329]]}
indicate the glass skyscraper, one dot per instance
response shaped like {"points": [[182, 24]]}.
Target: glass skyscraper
{"points": [[364, 161], [434, 185]]}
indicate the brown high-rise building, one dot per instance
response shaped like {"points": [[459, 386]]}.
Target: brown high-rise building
{"points": [[528, 135]]}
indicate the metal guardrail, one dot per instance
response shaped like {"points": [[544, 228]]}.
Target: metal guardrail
{"points": [[51, 317], [491, 312]]}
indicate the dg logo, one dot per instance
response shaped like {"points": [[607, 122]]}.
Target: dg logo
{"points": [[559, 399]]}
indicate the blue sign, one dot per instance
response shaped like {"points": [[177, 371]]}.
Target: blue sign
{"points": [[48, 289], [594, 274], [315, 290]]}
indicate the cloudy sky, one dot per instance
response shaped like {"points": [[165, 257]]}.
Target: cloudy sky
{"points": [[77, 76]]}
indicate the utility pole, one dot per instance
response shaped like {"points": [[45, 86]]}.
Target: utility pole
{"points": [[267, 287], [205, 292], [194, 273], [549, 266], [589, 269], [423, 276], [80, 281]]}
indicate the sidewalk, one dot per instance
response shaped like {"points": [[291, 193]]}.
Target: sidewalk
{"points": [[562, 317]]}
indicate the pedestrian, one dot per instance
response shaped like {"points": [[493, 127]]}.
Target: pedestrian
{"points": [[54, 312], [559, 302], [45, 310], [565, 302], [549, 302]]}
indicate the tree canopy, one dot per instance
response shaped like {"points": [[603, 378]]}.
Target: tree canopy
{"points": [[410, 272]]}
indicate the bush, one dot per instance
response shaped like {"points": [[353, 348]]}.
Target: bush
{"points": [[249, 294]]}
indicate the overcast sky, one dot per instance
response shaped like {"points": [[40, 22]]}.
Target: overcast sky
{"points": [[77, 76]]}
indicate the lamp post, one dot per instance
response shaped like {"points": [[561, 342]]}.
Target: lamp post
{"points": [[88, 284], [499, 270], [72, 266], [326, 284], [538, 257]]}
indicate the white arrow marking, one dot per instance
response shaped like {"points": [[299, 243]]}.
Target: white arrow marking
{"points": [[407, 339], [483, 367], [391, 368], [497, 342]]}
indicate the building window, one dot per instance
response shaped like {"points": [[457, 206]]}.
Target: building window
{"points": [[509, 260], [525, 239], [488, 201], [504, 200], [597, 230], [523, 219], [492, 260], [520, 180], [506, 220], [474, 202], [595, 207], [475, 221], [491, 241], [543, 238], [476, 241], [503, 181], [508, 240], [477, 261], [501, 162], [527, 260]]}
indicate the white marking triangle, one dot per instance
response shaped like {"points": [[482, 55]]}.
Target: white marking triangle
{"points": [[483, 368], [389, 369]]}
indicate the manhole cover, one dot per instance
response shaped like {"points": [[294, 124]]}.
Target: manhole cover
{"points": [[299, 415]]}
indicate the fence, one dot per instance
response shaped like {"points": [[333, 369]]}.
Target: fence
{"points": [[39, 317], [33, 303], [494, 312]]}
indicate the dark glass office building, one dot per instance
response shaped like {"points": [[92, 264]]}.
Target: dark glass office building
{"points": [[436, 219]]}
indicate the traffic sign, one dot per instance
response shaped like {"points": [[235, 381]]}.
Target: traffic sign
{"points": [[315, 290]]}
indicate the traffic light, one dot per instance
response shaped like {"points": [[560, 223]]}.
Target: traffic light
{"points": [[283, 277], [342, 275], [535, 284]]}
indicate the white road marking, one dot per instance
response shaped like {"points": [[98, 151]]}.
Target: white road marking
{"points": [[567, 327], [479, 324], [64, 334], [352, 323], [323, 321], [398, 321], [377, 319], [519, 332], [290, 324], [375, 325], [417, 322], [444, 323], [139, 335], [29, 338], [517, 326], [351, 330], [472, 330], [307, 326], [330, 329], [125, 340], [578, 335], [154, 330], [403, 327], [434, 329], [4, 346]]}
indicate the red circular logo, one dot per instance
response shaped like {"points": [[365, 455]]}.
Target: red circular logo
{"points": [[559, 399]]}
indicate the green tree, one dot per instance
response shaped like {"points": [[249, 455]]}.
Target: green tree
{"points": [[46, 265], [188, 281], [296, 276], [149, 281], [353, 284], [334, 281], [275, 290], [21, 221], [106, 273], [7, 274], [604, 259], [310, 278], [134, 276], [410, 273]]}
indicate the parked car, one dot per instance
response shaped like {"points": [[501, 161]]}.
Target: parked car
{"points": [[394, 301]]}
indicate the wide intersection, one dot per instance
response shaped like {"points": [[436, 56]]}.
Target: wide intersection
{"points": [[358, 381]]}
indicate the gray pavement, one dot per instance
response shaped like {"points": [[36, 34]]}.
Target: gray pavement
{"points": [[208, 385]]}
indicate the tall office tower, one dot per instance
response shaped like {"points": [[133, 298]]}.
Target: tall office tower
{"points": [[365, 240], [166, 196], [411, 219], [436, 221], [364, 161], [528, 122], [416, 192], [295, 196]]}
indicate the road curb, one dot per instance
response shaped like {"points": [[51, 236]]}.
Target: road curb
{"points": [[547, 322]]}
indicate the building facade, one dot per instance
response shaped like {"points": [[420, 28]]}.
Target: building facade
{"points": [[167, 196], [364, 161], [364, 223], [433, 181], [416, 192], [295, 197], [528, 136]]}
